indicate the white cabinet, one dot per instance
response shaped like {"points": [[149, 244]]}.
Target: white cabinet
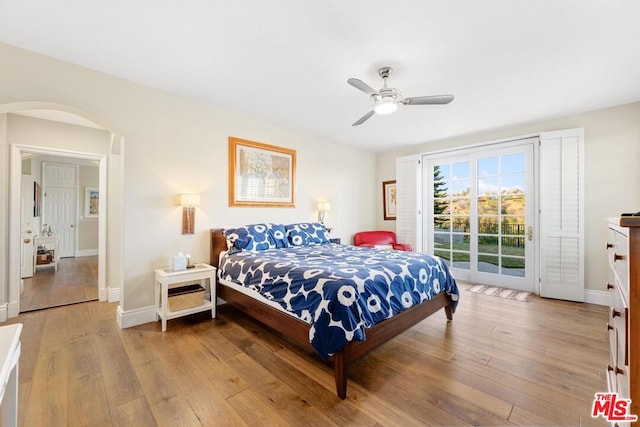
{"points": [[46, 253]]}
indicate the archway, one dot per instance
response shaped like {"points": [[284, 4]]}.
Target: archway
{"points": [[110, 246]]}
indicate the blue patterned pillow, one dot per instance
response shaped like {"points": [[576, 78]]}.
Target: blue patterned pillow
{"points": [[278, 234], [254, 237], [307, 233]]}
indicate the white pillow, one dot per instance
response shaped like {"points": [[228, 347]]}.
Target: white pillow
{"points": [[384, 247]]}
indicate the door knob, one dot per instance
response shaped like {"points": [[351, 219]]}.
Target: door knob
{"points": [[27, 240], [71, 225], [530, 233]]}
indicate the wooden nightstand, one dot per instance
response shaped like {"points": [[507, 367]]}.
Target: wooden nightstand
{"points": [[166, 277]]}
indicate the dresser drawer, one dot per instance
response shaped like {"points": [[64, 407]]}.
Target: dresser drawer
{"points": [[612, 381], [622, 381], [618, 254], [619, 319]]}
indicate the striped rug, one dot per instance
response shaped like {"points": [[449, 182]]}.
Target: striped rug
{"points": [[501, 292]]}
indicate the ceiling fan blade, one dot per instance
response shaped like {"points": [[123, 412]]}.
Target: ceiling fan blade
{"points": [[359, 84], [427, 100], [364, 118]]}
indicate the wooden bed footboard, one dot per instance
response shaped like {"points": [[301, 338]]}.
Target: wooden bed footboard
{"points": [[298, 331]]}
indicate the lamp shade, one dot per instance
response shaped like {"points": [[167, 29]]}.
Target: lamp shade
{"points": [[324, 206], [190, 200]]}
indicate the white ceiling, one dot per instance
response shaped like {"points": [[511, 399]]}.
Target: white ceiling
{"points": [[288, 61]]}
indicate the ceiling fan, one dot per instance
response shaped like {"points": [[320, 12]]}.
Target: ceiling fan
{"points": [[386, 100]]}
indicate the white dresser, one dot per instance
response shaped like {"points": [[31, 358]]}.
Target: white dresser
{"points": [[623, 250]]}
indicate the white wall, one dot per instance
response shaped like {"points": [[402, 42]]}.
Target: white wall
{"points": [[87, 227], [175, 145], [612, 155]]}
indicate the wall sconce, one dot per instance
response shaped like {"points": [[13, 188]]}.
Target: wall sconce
{"points": [[323, 208], [189, 203]]}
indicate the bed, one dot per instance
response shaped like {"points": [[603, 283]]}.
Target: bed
{"points": [[312, 292]]}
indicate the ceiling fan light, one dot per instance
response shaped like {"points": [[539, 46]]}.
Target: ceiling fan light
{"points": [[385, 106]]}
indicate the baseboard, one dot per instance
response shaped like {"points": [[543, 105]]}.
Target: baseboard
{"points": [[13, 309], [110, 294], [4, 312], [87, 252], [135, 317], [596, 297], [113, 294]]}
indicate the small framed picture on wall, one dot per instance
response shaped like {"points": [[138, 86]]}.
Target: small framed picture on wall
{"points": [[91, 202], [389, 199]]}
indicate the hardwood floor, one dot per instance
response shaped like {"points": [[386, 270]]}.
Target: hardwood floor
{"points": [[499, 362], [75, 281]]}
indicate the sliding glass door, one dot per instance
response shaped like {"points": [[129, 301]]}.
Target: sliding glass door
{"points": [[479, 209]]}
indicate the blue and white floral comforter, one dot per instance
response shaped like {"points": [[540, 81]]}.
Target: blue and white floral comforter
{"points": [[340, 290]]}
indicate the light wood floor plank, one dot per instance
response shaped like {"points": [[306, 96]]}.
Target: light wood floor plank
{"points": [[365, 402], [75, 281], [254, 411], [133, 413], [291, 408], [194, 368], [406, 356], [119, 375]]}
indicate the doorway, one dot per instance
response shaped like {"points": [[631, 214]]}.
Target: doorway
{"points": [[480, 214], [109, 155], [64, 243]]}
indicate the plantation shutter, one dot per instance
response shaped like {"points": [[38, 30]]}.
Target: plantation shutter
{"points": [[409, 201], [562, 215]]}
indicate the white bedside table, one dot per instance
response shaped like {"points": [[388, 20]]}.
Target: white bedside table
{"points": [[165, 277], [51, 246]]}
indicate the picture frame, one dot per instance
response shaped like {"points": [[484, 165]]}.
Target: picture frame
{"points": [[261, 175], [389, 199], [37, 199], [91, 202]]}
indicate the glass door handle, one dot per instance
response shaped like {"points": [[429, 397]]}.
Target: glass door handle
{"points": [[530, 233]]}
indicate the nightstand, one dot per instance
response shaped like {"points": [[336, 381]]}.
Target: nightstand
{"points": [[335, 240], [47, 252], [167, 281]]}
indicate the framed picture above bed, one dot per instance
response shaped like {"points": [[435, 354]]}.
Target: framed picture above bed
{"points": [[389, 199], [261, 175]]}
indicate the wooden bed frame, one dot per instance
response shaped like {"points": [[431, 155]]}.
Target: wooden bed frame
{"points": [[298, 331]]}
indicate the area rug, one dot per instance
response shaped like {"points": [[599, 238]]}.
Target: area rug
{"points": [[501, 292]]}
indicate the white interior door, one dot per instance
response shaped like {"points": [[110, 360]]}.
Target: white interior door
{"points": [[480, 214], [60, 207], [28, 227]]}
